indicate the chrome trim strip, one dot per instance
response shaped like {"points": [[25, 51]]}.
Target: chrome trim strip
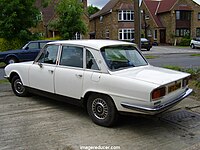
{"points": [[158, 108]]}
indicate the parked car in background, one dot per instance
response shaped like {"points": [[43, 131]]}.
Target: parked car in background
{"points": [[27, 53], [195, 43], [104, 76], [145, 44]]}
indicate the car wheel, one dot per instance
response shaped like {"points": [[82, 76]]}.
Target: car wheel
{"points": [[18, 87], [192, 46], [102, 110], [11, 60]]}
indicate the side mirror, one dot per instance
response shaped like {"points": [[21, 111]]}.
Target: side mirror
{"points": [[27, 48], [40, 65]]}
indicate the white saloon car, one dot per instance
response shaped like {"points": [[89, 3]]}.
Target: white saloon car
{"points": [[107, 77], [195, 43]]}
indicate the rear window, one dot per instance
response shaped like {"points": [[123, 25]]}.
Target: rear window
{"points": [[122, 57]]}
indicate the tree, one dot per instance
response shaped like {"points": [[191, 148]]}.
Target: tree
{"points": [[69, 20], [92, 10], [16, 18]]}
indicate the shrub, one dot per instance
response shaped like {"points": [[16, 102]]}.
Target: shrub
{"points": [[185, 41], [10, 44]]}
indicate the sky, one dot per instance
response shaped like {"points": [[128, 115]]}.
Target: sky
{"points": [[101, 3]]}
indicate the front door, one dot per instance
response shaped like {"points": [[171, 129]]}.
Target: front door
{"points": [[163, 36], [42, 72]]}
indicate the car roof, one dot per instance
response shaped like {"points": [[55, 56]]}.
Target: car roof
{"points": [[41, 41], [95, 44]]}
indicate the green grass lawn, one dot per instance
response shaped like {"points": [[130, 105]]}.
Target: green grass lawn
{"points": [[2, 64], [3, 81]]}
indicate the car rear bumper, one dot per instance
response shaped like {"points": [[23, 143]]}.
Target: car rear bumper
{"points": [[157, 109]]}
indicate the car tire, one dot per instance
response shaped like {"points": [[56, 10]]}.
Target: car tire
{"points": [[192, 46], [102, 110], [148, 49], [11, 60], [18, 87]]}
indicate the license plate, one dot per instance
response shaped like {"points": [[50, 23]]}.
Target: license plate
{"points": [[174, 87]]}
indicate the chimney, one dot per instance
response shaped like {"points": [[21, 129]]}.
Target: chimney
{"points": [[84, 4]]}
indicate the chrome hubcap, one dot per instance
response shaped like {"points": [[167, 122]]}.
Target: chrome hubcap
{"points": [[11, 61], [100, 108], [18, 86]]}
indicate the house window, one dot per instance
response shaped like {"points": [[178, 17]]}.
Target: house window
{"points": [[198, 32], [183, 15], [125, 15], [199, 16], [101, 19], [181, 32], [155, 34], [39, 16], [147, 17], [107, 34], [126, 34], [77, 36]]}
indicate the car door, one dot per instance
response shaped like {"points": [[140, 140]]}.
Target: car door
{"points": [[42, 71], [69, 74]]}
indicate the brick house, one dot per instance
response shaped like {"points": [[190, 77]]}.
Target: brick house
{"points": [[163, 21], [114, 21], [168, 21], [47, 15]]}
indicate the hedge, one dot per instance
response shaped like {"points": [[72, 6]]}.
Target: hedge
{"points": [[10, 44]]}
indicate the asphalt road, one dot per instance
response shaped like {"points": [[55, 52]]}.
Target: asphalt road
{"points": [[182, 60]]}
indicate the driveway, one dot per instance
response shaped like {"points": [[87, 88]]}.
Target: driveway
{"points": [[40, 123]]}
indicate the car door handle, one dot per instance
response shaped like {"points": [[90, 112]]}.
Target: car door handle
{"points": [[51, 71], [79, 75]]}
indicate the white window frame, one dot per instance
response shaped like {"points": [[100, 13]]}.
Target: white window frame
{"points": [[77, 36], [107, 34], [125, 15], [126, 34]]}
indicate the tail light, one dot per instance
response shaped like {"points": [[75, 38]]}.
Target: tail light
{"points": [[158, 93]]}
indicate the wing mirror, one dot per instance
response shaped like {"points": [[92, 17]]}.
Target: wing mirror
{"points": [[40, 64]]}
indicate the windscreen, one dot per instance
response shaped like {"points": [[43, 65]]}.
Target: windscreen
{"points": [[122, 57]]}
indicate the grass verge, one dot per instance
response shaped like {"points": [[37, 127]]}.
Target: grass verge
{"points": [[151, 57], [2, 64], [3, 81], [195, 55]]}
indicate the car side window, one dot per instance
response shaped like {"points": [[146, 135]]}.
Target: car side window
{"points": [[33, 45], [72, 56], [49, 55], [90, 61], [42, 44]]}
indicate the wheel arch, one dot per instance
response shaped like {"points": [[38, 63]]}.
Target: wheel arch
{"points": [[12, 74], [89, 93], [10, 56]]}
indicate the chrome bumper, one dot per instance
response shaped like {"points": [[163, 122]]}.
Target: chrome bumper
{"points": [[157, 109], [6, 77]]}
